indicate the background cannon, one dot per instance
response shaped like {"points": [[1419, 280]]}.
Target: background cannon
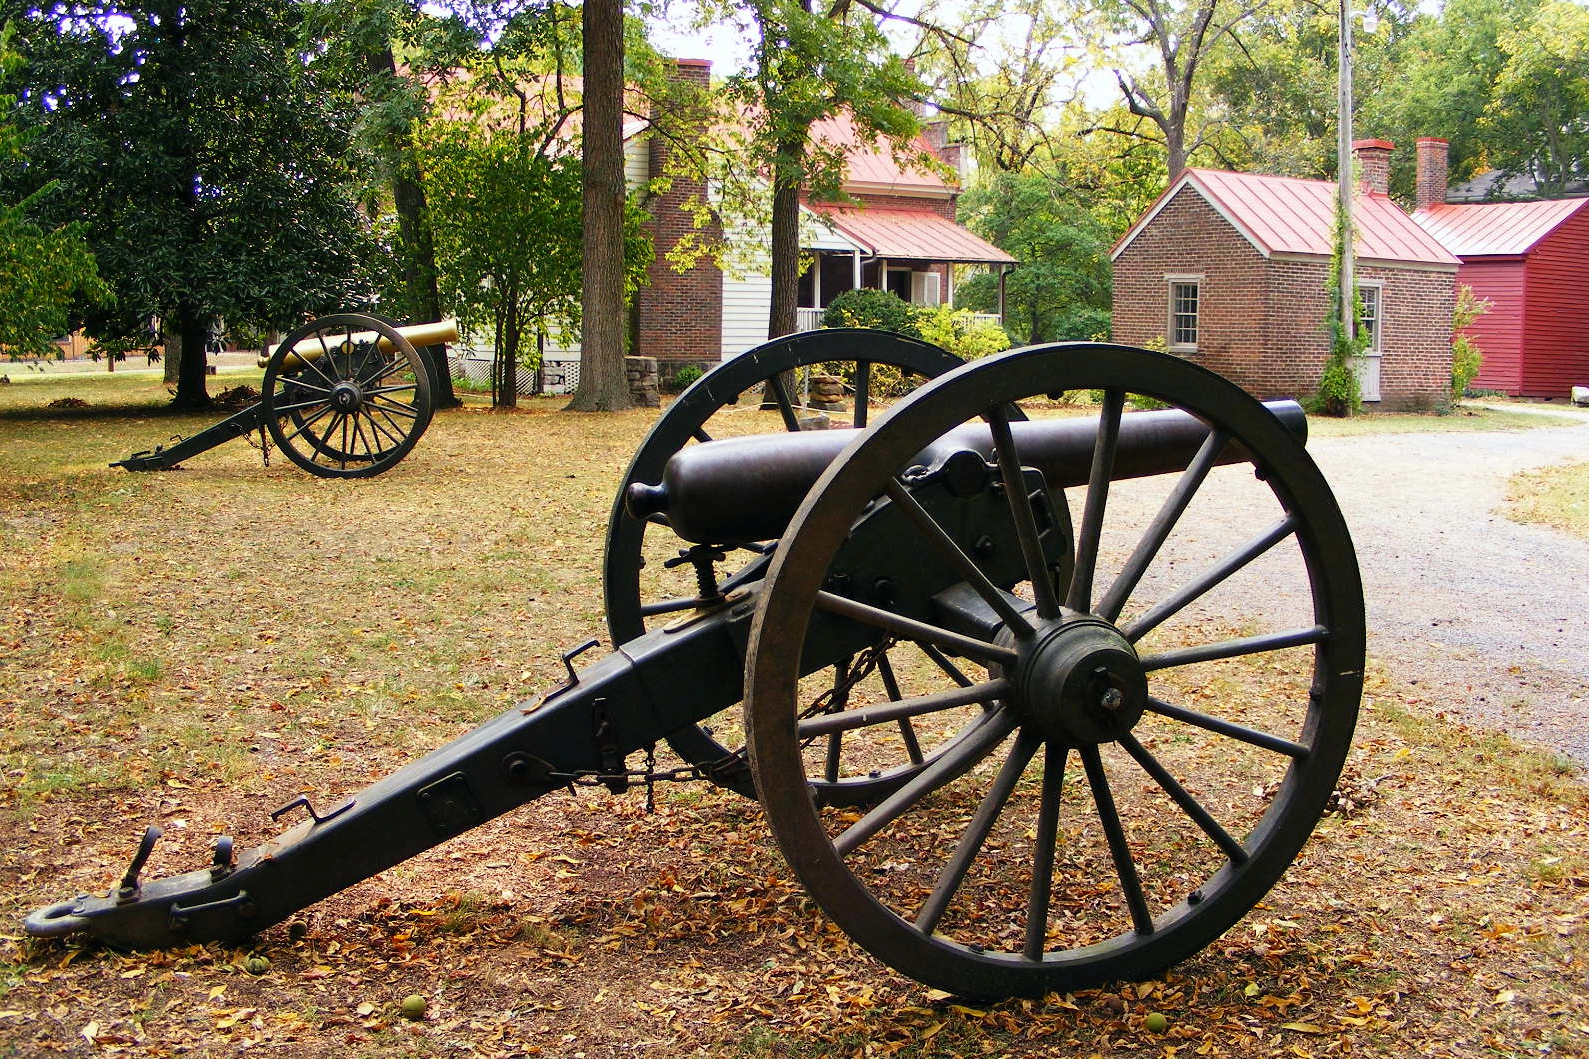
{"points": [[1029, 627], [344, 396]]}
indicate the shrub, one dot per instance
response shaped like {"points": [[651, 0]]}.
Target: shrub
{"points": [[961, 333], [1466, 353], [686, 375], [871, 308]]}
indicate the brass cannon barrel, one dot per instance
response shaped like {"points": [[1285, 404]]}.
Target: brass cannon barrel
{"points": [[418, 335], [748, 488]]}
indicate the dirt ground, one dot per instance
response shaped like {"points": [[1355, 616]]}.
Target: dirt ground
{"points": [[197, 648]]}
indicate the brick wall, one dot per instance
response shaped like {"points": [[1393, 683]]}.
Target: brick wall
{"points": [[944, 208], [1262, 323], [679, 315]]}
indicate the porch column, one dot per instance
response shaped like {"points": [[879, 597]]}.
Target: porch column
{"points": [[855, 269]]}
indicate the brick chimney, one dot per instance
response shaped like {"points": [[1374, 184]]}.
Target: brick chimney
{"points": [[679, 315], [1374, 165], [1429, 172]]}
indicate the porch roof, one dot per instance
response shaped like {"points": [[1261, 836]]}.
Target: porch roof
{"points": [[919, 234]]}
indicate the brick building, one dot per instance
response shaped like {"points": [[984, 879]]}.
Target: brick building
{"points": [[896, 232], [1230, 270]]}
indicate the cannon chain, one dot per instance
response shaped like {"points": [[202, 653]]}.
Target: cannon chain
{"points": [[1034, 700]]}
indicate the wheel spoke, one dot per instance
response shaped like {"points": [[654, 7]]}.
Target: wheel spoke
{"points": [[389, 428], [836, 706], [1080, 596], [1160, 528], [785, 408], [971, 841], [1230, 728], [891, 688], [315, 364], [1189, 805], [299, 383], [1230, 649], [1026, 523], [943, 662], [1048, 827], [385, 392], [1210, 578], [365, 438], [1120, 851], [388, 368], [863, 380], [860, 717], [322, 401], [972, 648], [381, 420], [990, 729], [992, 595], [700, 435]]}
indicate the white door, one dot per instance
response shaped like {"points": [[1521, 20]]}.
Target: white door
{"points": [[1368, 368]]}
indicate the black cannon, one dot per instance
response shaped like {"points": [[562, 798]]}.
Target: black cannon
{"points": [[344, 396], [927, 618]]}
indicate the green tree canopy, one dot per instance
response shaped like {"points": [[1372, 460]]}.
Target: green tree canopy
{"points": [[197, 149], [1061, 288], [42, 274]]}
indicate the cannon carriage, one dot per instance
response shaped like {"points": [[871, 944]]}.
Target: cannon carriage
{"points": [[1001, 712], [343, 396]]}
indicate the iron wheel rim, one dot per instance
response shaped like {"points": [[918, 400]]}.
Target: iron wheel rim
{"points": [[1325, 727], [337, 421]]}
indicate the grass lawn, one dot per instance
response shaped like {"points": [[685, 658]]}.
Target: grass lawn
{"points": [[197, 647]]}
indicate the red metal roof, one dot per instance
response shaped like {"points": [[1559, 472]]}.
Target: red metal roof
{"points": [[1495, 229], [909, 234], [871, 169], [1288, 216]]}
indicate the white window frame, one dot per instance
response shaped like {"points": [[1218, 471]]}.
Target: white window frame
{"points": [[1377, 317], [1172, 282]]}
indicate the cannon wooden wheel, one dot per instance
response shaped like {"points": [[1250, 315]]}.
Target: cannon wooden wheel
{"points": [[1160, 738], [346, 396], [631, 610]]}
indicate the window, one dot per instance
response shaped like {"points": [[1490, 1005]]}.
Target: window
{"points": [[1182, 328], [1369, 318]]}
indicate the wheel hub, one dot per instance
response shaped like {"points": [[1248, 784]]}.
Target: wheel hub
{"points": [[1079, 682], [346, 396]]}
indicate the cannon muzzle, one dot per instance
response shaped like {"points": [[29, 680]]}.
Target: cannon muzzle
{"points": [[748, 488]]}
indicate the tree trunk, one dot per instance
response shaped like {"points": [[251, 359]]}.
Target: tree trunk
{"points": [[507, 391], [414, 229], [785, 249], [190, 372], [603, 385], [171, 355]]}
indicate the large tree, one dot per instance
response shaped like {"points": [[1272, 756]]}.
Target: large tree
{"points": [[42, 273], [1002, 71], [603, 385], [1180, 34], [507, 193], [205, 163], [363, 39], [810, 64]]}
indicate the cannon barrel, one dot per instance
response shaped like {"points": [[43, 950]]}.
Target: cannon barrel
{"points": [[748, 488], [417, 334]]}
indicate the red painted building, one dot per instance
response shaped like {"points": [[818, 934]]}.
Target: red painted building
{"points": [[1531, 261]]}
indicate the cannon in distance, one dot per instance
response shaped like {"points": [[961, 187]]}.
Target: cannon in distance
{"points": [[947, 577], [344, 396]]}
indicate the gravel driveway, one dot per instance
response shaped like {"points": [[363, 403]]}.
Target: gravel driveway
{"points": [[1483, 614]]}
